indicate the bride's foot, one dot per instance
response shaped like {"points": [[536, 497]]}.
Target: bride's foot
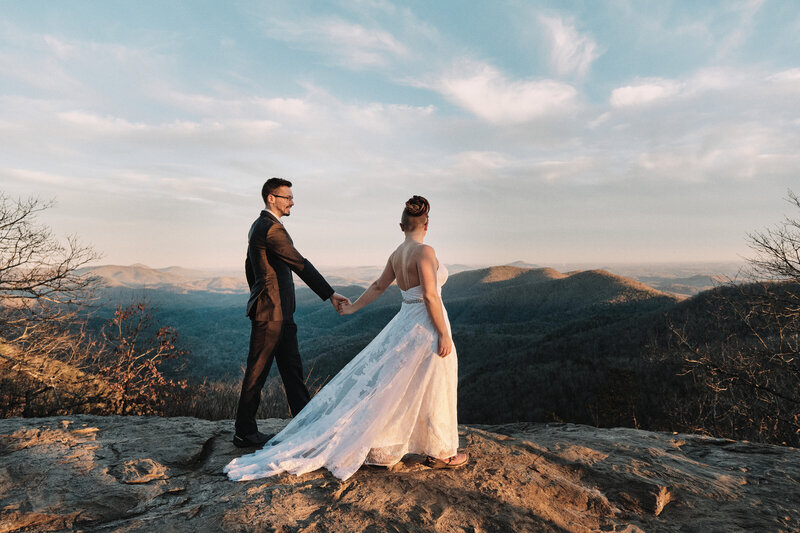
{"points": [[457, 461]]}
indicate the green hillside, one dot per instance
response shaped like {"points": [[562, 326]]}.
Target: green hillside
{"points": [[533, 344]]}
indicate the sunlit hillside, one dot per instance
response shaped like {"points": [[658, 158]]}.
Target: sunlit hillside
{"points": [[536, 332]]}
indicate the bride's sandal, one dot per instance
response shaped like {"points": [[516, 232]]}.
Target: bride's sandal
{"points": [[457, 461]]}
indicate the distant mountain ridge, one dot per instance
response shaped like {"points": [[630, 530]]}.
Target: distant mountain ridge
{"points": [[533, 343], [174, 278], [184, 280]]}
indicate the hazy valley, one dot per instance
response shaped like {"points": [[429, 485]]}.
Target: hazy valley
{"points": [[534, 344]]}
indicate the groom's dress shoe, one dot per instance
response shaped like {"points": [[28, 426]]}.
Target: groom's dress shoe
{"points": [[251, 440]]}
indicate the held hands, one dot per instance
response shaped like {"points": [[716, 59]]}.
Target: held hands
{"points": [[337, 300], [445, 345], [346, 309]]}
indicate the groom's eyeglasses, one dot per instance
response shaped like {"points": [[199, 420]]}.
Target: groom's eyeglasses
{"points": [[286, 197]]}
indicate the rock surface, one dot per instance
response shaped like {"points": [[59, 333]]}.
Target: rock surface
{"points": [[93, 473]]}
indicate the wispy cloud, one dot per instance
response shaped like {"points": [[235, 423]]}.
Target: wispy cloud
{"points": [[790, 76], [571, 53], [486, 92], [644, 92], [745, 12], [652, 90], [99, 127], [80, 70], [228, 106], [714, 125], [61, 48], [350, 44], [42, 73]]}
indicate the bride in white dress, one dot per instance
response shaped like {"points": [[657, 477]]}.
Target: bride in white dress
{"points": [[397, 396]]}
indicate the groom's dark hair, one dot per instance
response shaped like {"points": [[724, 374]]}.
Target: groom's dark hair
{"points": [[271, 185]]}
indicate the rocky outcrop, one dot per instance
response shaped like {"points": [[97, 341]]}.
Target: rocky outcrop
{"points": [[93, 473]]}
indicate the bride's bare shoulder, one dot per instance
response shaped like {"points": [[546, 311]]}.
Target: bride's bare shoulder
{"points": [[424, 254], [425, 251]]}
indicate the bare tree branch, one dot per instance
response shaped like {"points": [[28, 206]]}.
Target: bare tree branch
{"points": [[744, 354], [35, 265]]}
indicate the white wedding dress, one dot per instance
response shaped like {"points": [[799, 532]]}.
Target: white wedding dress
{"points": [[395, 397]]}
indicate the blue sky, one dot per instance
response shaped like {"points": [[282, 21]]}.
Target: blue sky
{"points": [[550, 132]]}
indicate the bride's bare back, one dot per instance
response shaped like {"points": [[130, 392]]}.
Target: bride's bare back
{"points": [[412, 264], [405, 262]]}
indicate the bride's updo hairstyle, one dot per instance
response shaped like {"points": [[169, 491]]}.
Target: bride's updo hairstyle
{"points": [[415, 214]]}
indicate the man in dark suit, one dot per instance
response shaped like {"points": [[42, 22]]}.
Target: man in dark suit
{"points": [[271, 259]]}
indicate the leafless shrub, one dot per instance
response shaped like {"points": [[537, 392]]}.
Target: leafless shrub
{"points": [[744, 359], [130, 357], [38, 272], [40, 293]]}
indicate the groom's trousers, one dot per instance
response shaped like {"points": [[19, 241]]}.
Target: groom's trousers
{"points": [[270, 340]]}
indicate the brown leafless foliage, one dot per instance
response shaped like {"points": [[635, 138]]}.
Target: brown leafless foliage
{"points": [[51, 365], [40, 288], [744, 360], [117, 370], [131, 356], [44, 374], [34, 265], [777, 249], [40, 293]]}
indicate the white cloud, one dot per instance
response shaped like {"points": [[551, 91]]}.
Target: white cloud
{"points": [[351, 45], [645, 92], [652, 90], [383, 117], [570, 52], [486, 92], [79, 70], [39, 72], [732, 152], [790, 77], [62, 49], [714, 125], [360, 45], [234, 106], [478, 164], [714, 79], [578, 168], [293, 107], [100, 125], [38, 177], [734, 37]]}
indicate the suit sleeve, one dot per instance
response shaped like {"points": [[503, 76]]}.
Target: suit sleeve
{"points": [[248, 272], [281, 245]]}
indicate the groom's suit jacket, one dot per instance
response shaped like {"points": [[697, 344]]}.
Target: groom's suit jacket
{"points": [[271, 259]]}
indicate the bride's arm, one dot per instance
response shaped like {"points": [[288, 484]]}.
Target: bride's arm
{"points": [[427, 267], [373, 291]]}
